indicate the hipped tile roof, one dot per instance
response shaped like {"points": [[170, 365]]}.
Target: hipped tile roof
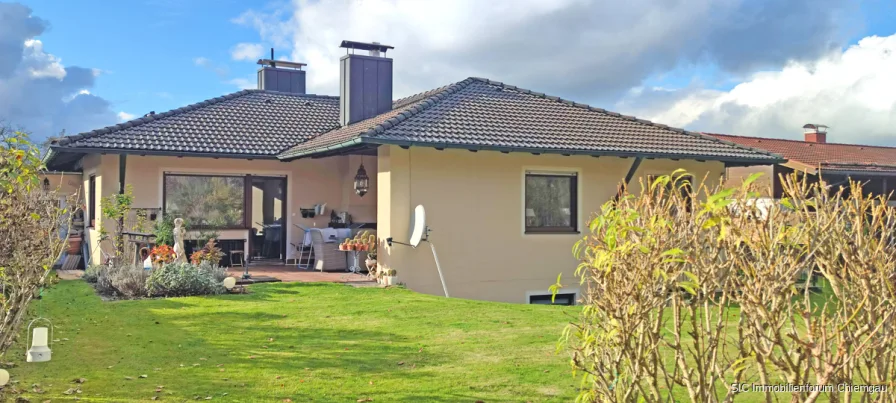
{"points": [[829, 157], [474, 113]]}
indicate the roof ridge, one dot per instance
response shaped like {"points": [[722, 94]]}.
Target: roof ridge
{"points": [[626, 117], [416, 108], [149, 118], [798, 141]]}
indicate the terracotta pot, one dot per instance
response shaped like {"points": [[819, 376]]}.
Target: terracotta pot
{"points": [[74, 245]]}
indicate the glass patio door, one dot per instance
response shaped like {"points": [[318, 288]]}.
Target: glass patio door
{"points": [[267, 218]]}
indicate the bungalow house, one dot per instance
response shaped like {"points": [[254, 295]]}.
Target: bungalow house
{"points": [[835, 163], [509, 177]]}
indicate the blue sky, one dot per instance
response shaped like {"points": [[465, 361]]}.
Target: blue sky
{"points": [[146, 50]]}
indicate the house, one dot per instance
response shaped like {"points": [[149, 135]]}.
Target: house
{"points": [[508, 176], [835, 163]]}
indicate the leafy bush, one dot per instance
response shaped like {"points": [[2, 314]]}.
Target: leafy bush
{"points": [[184, 279], [210, 253], [30, 219], [688, 291], [118, 281], [164, 230], [162, 254]]}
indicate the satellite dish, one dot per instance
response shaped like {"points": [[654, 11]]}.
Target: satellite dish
{"points": [[418, 225]]}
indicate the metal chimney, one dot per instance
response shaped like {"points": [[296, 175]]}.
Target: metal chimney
{"points": [[283, 76], [365, 82]]}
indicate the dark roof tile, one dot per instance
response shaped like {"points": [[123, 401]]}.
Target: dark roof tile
{"points": [[472, 114]]}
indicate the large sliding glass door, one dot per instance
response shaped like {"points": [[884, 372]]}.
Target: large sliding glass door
{"points": [[267, 218]]}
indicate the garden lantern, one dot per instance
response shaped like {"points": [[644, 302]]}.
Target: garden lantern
{"points": [[362, 181], [40, 337]]}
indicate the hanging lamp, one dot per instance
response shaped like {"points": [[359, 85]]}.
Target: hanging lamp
{"points": [[362, 181]]}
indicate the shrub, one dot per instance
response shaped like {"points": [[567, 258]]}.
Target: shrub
{"points": [[162, 254], [30, 219], [687, 292], [184, 279], [118, 281], [210, 253]]}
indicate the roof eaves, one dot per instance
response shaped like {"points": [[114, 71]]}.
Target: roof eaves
{"points": [[164, 153], [289, 156], [406, 143]]}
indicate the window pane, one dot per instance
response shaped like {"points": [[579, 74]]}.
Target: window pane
{"points": [[559, 299], [206, 201], [548, 201]]}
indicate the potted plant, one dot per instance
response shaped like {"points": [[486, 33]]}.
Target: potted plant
{"points": [[389, 277], [370, 262], [74, 244]]}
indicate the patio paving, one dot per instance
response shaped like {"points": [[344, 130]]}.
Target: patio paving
{"points": [[292, 274]]}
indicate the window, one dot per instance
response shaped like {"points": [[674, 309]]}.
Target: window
{"points": [[206, 201], [559, 299], [551, 202], [91, 202]]}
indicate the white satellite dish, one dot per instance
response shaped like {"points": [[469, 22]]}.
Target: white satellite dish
{"points": [[419, 233], [418, 225]]}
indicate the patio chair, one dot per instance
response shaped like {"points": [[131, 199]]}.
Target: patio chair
{"points": [[327, 255]]}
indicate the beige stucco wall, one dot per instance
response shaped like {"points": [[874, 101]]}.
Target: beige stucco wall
{"points": [[309, 182], [474, 205], [735, 176]]}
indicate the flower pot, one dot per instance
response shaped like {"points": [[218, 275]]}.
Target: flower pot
{"points": [[74, 245], [389, 280]]}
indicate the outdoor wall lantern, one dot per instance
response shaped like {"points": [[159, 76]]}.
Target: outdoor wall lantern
{"points": [[362, 181], [46, 185], [40, 337]]}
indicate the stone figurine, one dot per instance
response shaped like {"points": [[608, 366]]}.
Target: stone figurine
{"points": [[180, 256]]}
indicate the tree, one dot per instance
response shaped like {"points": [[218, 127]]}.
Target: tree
{"points": [[30, 241]]}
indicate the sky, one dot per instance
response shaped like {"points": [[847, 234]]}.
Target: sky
{"points": [[748, 67]]}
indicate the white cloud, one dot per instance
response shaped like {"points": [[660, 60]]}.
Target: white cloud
{"points": [[209, 65], [243, 83], [581, 49], [852, 91], [124, 116], [247, 51], [38, 93]]}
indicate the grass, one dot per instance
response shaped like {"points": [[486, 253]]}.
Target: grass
{"points": [[302, 342]]}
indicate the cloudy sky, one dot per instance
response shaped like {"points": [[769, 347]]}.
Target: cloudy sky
{"points": [[748, 67]]}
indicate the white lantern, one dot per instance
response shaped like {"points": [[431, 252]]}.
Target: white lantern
{"points": [[229, 283], [4, 377], [40, 337]]}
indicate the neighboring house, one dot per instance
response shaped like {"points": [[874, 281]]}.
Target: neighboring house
{"points": [[836, 164], [509, 177]]}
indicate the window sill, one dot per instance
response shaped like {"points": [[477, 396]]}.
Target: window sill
{"points": [[552, 233]]}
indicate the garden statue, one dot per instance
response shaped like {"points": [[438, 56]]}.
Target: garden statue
{"points": [[179, 234]]}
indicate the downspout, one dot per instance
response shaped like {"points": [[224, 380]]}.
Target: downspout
{"points": [[628, 177]]}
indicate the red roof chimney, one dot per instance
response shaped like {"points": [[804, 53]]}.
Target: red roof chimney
{"points": [[816, 133]]}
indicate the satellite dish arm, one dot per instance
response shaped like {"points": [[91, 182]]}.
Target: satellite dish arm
{"points": [[389, 242]]}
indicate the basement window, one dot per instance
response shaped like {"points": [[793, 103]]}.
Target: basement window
{"points": [[551, 202], [560, 299]]}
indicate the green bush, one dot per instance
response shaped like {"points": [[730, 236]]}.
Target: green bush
{"points": [[184, 279]]}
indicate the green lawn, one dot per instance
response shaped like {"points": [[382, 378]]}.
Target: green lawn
{"points": [[302, 342]]}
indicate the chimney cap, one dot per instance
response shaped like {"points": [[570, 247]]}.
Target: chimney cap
{"points": [[366, 46], [815, 127], [281, 63]]}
